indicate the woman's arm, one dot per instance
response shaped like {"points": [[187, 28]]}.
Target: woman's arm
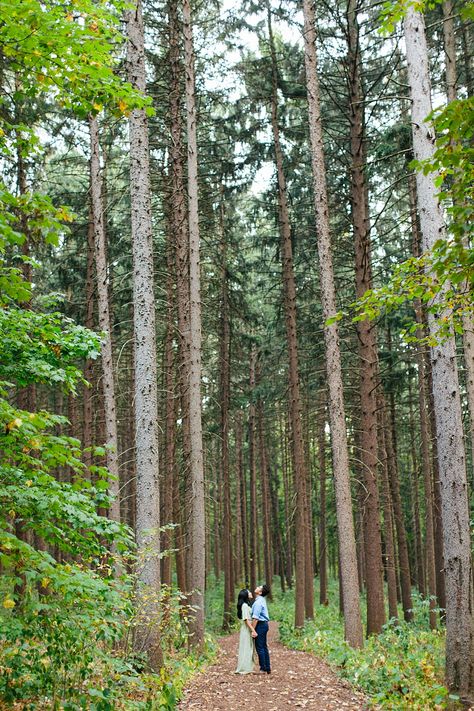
{"points": [[251, 628]]}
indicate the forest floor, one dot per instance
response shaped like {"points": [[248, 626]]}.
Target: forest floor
{"points": [[298, 681]]}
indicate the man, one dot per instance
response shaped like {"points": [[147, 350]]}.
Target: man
{"points": [[260, 621]]}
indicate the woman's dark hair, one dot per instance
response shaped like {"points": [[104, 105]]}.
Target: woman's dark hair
{"points": [[243, 597], [265, 590]]}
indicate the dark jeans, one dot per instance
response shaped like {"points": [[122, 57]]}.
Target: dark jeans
{"points": [[261, 646]]}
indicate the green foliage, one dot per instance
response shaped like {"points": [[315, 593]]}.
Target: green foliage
{"points": [[399, 669], [43, 348], [453, 163], [67, 52], [66, 55], [60, 614], [67, 618], [442, 279], [36, 213]]}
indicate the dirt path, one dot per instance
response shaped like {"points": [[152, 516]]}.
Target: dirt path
{"points": [[298, 681]]}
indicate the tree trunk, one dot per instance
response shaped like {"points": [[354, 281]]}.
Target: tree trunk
{"points": [[424, 408], [89, 365], [276, 528], [268, 542], [452, 466], [145, 396], [348, 553], [253, 474], [387, 516], [449, 49], [108, 385], [415, 495], [288, 506], [197, 542], [323, 565], [366, 331], [466, 39], [388, 415], [244, 526], [168, 492], [179, 227], [303, 601], [224, 400], [436, 497]]}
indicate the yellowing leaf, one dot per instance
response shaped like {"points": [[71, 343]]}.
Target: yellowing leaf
{"points": [[8, 603], [14, 424]]}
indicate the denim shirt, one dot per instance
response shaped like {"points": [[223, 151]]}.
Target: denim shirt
{"points": [[260, 610]]}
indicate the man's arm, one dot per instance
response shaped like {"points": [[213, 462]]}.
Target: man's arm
{"points": [[255, 611]]}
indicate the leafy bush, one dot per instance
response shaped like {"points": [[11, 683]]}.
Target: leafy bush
{"points": [[67, 612]]}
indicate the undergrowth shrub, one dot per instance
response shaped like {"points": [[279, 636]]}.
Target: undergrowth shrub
{"points": [[402, 668]]}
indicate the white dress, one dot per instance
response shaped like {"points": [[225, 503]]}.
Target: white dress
{"points": [[246, 644]]}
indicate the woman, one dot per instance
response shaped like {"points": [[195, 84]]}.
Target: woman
{"points": [[247, 633]]}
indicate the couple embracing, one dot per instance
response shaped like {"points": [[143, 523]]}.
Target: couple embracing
{"points": [[254, 627]]}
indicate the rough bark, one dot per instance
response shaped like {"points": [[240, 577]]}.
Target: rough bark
{"points": [[197, 542], [288, 506], [303, 602], [423, 401], [323, 566], [388, 520], [449, 49], [179, 227], [145, 395], [419, 566], [253, 473], [276, 531], [348, 553], [451, 457], [468, 343], [366, 331], [168, 478], [107, 361], [268, 543], [388, 414], [224, 401], [89, 365], [466, 39], [244, 526], [437, 508]]}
